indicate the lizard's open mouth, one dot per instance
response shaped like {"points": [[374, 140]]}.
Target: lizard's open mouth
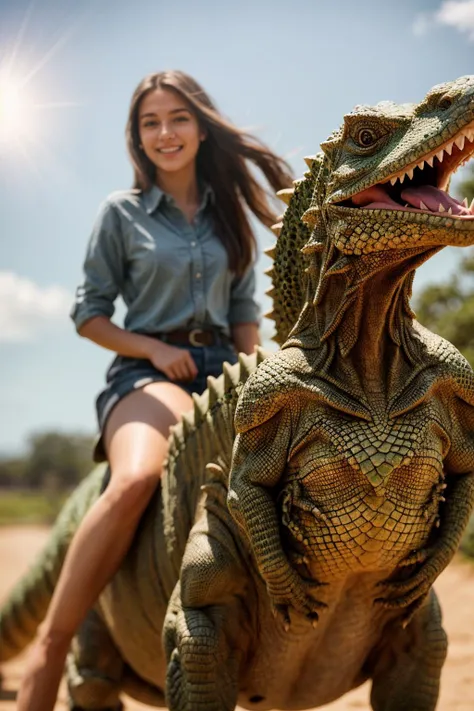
{"points": [[421, 186]]}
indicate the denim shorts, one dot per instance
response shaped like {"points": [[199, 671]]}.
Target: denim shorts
{"points": [[128, 374]]}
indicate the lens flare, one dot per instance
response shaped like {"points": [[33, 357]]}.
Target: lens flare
{"points": [[15, 110]]}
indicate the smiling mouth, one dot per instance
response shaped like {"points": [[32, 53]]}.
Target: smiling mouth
{"points": [[171, 150], [422, 186]]}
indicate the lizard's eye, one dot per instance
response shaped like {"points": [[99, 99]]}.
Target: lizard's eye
{"points": [[364, 134], [366, 137], [445, 102]]}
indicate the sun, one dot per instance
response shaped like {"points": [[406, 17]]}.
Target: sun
{"points": [[15, 110]]}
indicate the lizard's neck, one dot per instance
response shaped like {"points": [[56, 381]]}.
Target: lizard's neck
{"points": [[385, 333], [360, 329]]}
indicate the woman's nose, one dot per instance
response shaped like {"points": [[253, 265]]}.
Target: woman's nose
{"points": [[166, 129]]}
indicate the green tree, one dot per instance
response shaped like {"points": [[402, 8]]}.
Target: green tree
{"points": [[12, 472], [56, 460]]}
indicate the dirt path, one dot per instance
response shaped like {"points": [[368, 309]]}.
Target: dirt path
{"points": [[455, 587]]}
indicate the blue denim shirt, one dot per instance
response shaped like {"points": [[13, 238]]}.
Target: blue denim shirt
{"points": [[171, 274]]}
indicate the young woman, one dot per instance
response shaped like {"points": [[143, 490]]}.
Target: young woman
{"points": [[178, 248]]}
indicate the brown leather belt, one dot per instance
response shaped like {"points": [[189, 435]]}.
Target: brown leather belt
{"points": [[197, 337]]}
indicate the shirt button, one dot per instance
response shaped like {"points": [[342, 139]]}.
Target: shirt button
{"points": [[193, 244], [198, 275]]}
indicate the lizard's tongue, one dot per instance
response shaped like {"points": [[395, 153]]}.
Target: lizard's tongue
{"points": [[422, 197]]}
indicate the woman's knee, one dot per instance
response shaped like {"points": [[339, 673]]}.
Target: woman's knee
{"points": [[130, 491]]}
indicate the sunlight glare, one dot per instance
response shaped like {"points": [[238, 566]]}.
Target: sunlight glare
{"points": [[15, 110]]}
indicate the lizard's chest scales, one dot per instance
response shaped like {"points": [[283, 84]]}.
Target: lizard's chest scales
{"points": [[373, 453], [372, 488]]}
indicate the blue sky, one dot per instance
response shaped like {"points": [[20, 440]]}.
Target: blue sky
{"points": [[288, 70]]}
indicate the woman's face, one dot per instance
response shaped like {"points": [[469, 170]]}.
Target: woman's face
{"points": [[169, 132]]}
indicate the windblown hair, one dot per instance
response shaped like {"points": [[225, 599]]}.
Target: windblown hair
{"points": [[222, 162]]}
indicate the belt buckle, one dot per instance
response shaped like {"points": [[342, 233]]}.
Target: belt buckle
{"points": [[192, 337]]}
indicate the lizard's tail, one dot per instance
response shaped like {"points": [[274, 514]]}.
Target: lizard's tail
{"points": [[26, 607]]}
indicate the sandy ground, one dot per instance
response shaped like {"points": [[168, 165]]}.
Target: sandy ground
{"points": [[456, 589]]}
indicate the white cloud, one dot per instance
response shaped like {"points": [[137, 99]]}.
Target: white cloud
{"points": [[26, 309], [458, 14]]}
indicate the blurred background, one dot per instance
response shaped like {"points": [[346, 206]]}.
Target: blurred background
{"points": [[287, 71]]}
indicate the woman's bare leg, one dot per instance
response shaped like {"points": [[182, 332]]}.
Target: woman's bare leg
{"points": [[136, 441]]}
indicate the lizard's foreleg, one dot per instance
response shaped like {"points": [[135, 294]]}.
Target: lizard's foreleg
{"points": [[206, 615], [454, 517]]}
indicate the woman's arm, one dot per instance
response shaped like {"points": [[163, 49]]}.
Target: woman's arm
{"points": [[102, 331], [175, 363], [245, 337]]}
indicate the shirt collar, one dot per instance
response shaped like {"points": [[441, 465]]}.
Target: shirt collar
{"points": [[152, 198]]}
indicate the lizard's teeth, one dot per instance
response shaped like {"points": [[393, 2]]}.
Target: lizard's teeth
{"points": [[441, 208], [402, 178], [459, 141], [465, 202], [430, 160], [393, 180], [423, 206], [440, 155], [449, 148], [421, 165], [470, 135], [450, 211], [471, 206], [409, 173]]}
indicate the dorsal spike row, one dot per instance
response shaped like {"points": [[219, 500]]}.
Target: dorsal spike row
{"points": [[177, 434], [269, 272], [285, 195], [276, 229], [188, 423], [271, 315], [245, 367], [200, 408], [309, 160], [261, 354], [270, 252], [213, 388], [231, 376], [271, 292]]}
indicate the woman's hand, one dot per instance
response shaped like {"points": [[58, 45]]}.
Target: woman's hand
{"points": [[175, 363]]}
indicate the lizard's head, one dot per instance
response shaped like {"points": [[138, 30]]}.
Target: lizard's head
{"points": [[387, 171]]}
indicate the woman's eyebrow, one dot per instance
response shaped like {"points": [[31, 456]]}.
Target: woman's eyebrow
{"points": [[173, 111]]}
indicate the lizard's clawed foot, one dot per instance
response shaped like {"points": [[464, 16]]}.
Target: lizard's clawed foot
{"points": [[414, 588], [295, 594], [416, 557]]}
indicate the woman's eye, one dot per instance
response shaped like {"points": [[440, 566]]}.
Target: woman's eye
{"points": [[181, 119], [148, 124]]}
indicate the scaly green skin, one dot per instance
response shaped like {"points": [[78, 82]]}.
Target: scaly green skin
{"points": [[351, 473]]}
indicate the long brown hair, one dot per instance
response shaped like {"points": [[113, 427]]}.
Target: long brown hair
{"points": [[221, 162]]}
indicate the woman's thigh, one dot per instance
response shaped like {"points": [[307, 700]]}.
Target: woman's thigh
{"points": [[137, 429]]}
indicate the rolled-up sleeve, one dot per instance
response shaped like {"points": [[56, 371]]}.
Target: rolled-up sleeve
{"points": [[104, 268], [243, 308]]}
